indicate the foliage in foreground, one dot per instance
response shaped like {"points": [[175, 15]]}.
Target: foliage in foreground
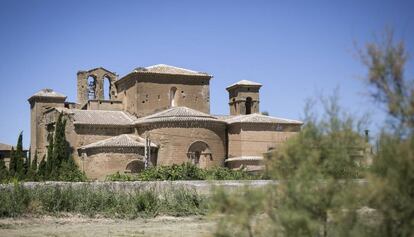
{"points": [[316, 169], [319, 195], [90, 201], [186, 171]]}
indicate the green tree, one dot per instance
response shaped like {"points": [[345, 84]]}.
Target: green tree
{"points": [[32, 173], [17, 159], [60, 152], [12, 163], [48, 160], [391, 183], [316, 169], [60, 164], [4, 173], [42, 171]]}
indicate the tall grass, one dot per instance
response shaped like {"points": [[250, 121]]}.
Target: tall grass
{"points": [[86, 200]]}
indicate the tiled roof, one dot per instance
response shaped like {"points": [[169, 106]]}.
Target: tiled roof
{"points": [[48, 93], [121, 141], [259, 118], [178, 114], [102, 117], [244, 83], [167, 69], [5, 147]]}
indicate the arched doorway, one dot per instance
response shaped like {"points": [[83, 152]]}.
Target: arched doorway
{"points": [[199, 153], [248, 105], [135, 166]]}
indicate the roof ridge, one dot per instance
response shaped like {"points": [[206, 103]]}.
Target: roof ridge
{"points": [[166, 65]]}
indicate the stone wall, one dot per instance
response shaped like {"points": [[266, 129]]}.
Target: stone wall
{"points": [[104, 105], [152, 93], [97, 166], [256, 139], [38, 124], [175, 139]]}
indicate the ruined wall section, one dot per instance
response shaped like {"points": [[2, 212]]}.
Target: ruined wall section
{"points": [[96, 92]]}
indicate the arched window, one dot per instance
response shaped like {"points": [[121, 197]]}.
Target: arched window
{"points": [[173, 101], [135, 166], [91, 87], [248, 105], [234, 105], [199, 154], [107, 87]]}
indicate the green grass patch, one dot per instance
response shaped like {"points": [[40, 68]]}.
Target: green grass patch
{"points": [[17, 200]]}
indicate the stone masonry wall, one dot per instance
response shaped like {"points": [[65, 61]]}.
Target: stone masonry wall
{"points": [[152, 93], [254, 140], [98, 166], [174, 142]]}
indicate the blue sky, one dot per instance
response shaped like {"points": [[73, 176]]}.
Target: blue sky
{"points": [[296, 49]]}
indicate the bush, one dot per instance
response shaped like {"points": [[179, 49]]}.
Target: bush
{"points": [[186, 171]]}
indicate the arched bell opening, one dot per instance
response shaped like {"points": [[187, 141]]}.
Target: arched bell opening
{"points": [[91, 87]]}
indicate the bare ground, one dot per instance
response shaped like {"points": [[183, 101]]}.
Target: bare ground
{"points": [[83, 226]]}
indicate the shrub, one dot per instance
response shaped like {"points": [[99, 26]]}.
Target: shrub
{"points": [[186, 171]]}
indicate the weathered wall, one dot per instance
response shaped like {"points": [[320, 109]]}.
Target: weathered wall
{"points": [[98, 166], [256, 139], [127, 93], [78, 136], [38, 129], [104, 105], [175, 139], [152, 93]]}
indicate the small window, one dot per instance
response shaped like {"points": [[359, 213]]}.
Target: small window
{"points": [[173, 101], [248, 105]]}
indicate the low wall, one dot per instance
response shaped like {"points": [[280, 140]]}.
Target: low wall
{"points": [[202, 187]]}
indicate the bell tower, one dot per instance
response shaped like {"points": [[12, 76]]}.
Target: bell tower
{"points": [[91, 85], [244, 97]]}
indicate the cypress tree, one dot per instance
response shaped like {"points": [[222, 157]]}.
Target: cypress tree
{"points": [[60, 146], [41, 173], [12, 164], [19, 158], [48, 161], [32, 173], [4, 173]]}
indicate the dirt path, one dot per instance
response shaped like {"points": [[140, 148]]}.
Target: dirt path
{"points": [[81, 226]]}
